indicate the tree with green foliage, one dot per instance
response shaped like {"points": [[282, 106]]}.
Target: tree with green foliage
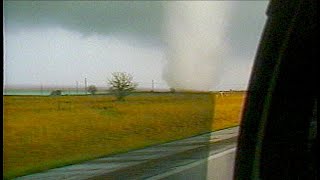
{"points": [[122, 85], [56, 93], [92, 89], [172, 90]]}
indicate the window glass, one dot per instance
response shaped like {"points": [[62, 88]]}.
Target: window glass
{"points": [[85, 80]]}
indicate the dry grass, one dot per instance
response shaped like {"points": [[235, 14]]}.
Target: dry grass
{"points": [[228, 110], [46, 132]]}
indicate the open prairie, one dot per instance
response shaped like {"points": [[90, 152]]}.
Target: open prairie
{"points": [[43, 132]]}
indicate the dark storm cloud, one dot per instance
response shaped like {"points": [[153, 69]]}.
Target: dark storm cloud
{"points": [[102, 17], [140, 17], [126, 31]]}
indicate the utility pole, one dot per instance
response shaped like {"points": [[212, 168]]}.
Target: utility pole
{"points": [[77, 87], [85, 85], [152, 85], [41, 89]]}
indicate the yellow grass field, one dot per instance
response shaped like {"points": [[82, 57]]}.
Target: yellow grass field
{"points": [[46, 132]]}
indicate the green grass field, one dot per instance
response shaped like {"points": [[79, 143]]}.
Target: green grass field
{"points": [[46, 132]]}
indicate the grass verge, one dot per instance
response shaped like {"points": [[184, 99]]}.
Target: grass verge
{"points": [[47, 132]]}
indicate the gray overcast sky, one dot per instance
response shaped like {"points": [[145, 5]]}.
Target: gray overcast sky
{"points": [[58, 43]]}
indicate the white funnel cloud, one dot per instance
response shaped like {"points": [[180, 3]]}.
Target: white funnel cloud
{"points": [[195, 33]]}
